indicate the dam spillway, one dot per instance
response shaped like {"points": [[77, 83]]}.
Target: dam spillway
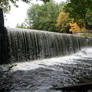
{"points": [[25, 44]]}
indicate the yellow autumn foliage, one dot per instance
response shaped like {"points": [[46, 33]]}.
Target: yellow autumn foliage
{"points": [[64, 21], [61, 18], [75, 27]]}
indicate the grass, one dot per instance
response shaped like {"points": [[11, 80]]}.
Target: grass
{"points": [[86, 34]]}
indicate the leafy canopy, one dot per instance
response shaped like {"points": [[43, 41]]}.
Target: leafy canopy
{"points": [[78, 9], [63, 21], [5, 4], [43, 17], [77, 14]]}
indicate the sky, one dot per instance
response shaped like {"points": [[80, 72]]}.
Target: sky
{"points": [[18, 15]]}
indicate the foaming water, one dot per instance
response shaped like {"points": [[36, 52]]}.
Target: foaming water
{"points": [[40, 75], [85, 53]]}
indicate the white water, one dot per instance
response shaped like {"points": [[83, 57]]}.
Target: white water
{"points": [[85, 53], [40, 75], [28, 45]]}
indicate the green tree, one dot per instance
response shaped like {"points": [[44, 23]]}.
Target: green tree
{"points": [[5, 4], [45, 1], [78, 9], [88, 20], [43, 17], [24, 25]]}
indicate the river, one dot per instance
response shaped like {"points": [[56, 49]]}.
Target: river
{"points": [[41, 75]]}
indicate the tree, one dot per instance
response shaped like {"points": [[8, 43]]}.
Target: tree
{"points": [[68, 24], [77, 14], [5, 4], [75, 27], [45, 1], [88, 20], [24, 25], [43, 17], [78, 10], [63, 21]]}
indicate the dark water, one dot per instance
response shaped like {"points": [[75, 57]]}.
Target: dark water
{"points": [[31, 44]]}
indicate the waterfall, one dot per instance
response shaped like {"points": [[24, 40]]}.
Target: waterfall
{"points": [[25, 44], [18, 45]]}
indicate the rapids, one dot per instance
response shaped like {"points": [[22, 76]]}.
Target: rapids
{"points": [[41, 75]]}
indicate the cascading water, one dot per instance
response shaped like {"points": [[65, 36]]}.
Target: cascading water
{"points": [[27, 44], [40, 75]]}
